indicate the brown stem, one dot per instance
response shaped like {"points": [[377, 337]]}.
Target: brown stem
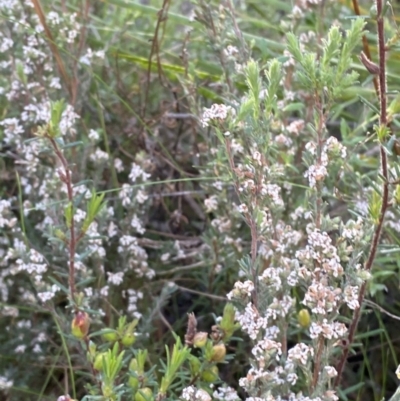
{"points": [[385, 190], [82, 37], [365, 44], [38, 9], [317, 363]]}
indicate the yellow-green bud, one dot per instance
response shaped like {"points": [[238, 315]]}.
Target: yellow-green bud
{"points": [[144, 394], [80, 325], [133, 364], [133, 382], [92, 349], [373, 11], [98, 361], [59, 234], [200, 339], [128, 339], [219, 352], [304, 318], [195, 365], [107, 391], [111, 336], [210, 375]]}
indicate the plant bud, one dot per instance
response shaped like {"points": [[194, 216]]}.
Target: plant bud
{"points": [[128, 339], [371, 67], [210, 375], [133, 364], [60, 235], [98, 361], [304, 318], [219, 352], [107, 391], [144, 394], [133, 382], [373, 11], [200, 339], [195, 365], [110, 336], [80, 325], [92, 349]]}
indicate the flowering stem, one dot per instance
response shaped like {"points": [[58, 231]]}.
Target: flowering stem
{"points": [[252, 224], [385, 188]]}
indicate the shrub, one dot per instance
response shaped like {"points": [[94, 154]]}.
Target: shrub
{"points": [[159, 161]]}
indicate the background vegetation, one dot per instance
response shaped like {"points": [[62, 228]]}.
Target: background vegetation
{"points": [[118, 89]]}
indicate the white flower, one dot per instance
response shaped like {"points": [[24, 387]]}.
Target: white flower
{"points": [[55, 83], [119, 166], [99, 156], [137, 225], [53, 17], [192, 393], [226, 394], [316, 172], [112, 230], [216, 112], [115, 278], [211, 203], [330, 371], [242, 208], [141, 196], [231, 51], [5, 384], [136, 172], [93, 135]]}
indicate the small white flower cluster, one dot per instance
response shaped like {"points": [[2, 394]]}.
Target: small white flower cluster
{"points": [[115, 278], [87, 58], [231, 51], [335, 330], [136, 257], [6, 217], [133, 298], [226, 394], [332, 150], [33, 264], [5, 383], [353, 230], [211, 203], [48, 295], [241, 290], [219, 112], [192, 393]]}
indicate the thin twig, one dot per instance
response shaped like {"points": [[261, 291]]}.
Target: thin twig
{"points": [[385, 189], [38, 9], [365, 44], [376, 306], [72, 240]]}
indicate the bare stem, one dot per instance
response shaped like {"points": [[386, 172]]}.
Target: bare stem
{"points": [[38, 9], [385, 189], [72, 240], [317, 363]]}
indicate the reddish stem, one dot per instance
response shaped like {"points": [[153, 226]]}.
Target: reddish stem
{"points": [[73, 240], [385, 189]]}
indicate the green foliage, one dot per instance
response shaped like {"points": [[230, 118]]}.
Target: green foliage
{"points": [[168, 154]]}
